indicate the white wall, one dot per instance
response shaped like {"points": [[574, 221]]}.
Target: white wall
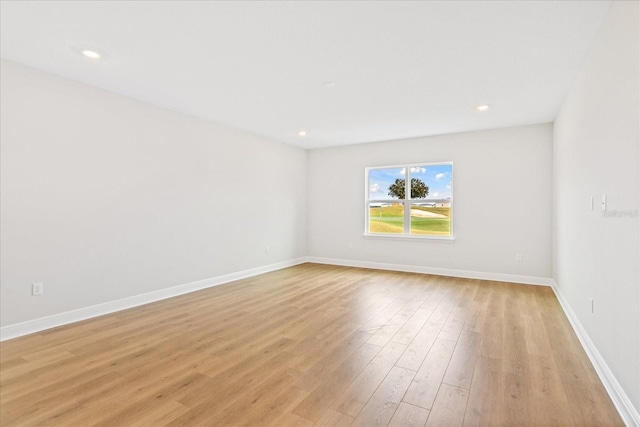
{"points": [[596, 153], [502, 188], [105, 197]]}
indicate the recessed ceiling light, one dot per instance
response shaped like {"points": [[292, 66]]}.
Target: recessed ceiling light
{"points": [[91, 54], [302, 133], [329, 84], [483, 107]]}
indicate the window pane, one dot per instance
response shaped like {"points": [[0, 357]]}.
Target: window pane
{"points": [[386, 184], [431, 218], [431, 182], [386, 218]]}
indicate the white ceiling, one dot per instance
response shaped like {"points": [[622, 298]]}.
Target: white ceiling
{"points": [[401, 69]]}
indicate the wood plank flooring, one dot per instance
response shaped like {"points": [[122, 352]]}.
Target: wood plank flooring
{"points": [[313, 345]]}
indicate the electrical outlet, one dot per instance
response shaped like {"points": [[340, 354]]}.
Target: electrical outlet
{"points": [[518, 257], [37, 288]]}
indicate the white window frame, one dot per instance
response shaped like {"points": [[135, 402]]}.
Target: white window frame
{"points": [[406, 204]]}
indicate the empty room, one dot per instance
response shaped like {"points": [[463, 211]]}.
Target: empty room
{"points": [[319, 213]]}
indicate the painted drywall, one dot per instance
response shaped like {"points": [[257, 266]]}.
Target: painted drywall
{"points": [[595, 152], [502, 193], [105, 197]]}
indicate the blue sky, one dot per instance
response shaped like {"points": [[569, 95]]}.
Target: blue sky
{"points": [[437, 178]]}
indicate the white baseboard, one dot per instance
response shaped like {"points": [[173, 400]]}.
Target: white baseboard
{"points": [[620, 399], [498, 277], [37, 325]]}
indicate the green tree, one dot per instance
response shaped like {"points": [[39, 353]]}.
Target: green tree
{"points": [[419, 190]]}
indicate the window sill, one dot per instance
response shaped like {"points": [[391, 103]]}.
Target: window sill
{"points": [[443, 239]]}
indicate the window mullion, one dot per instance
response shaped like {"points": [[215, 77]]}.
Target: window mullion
{"points": [[407, 205]]}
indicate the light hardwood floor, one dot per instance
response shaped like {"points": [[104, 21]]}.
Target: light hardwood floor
{"points": [[313, 345]]}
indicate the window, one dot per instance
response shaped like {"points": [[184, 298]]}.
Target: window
{"points": [[427, 212]]}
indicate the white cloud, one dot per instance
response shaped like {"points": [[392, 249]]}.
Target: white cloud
{"points": [[417, 169], [403, 171], [374, 188], [441, 175], [448, 186], [436, 194]]}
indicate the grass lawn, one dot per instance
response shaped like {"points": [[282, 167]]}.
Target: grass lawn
{"points": [[390, 219]]}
